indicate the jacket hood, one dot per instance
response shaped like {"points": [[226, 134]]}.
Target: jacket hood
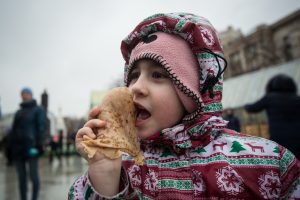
{"points": [[205, 45]]}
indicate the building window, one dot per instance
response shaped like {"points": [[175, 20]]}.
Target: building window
{"points": [[287, 49], [251, 51], [235, 63], [251, 55]]}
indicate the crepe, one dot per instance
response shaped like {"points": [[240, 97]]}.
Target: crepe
{"points": [[119, 135]]}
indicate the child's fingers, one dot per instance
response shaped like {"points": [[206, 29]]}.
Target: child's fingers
{"points": [[85, 131], [94, 112], [95, 123], [85, 137]]}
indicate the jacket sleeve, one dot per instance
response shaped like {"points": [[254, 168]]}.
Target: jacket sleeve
{"points": [[289, 174], [41, 125], [83, 189], [238, 125], [257, 106]]}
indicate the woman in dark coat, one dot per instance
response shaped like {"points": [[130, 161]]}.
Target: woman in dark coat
{"points": [[283, 110]]}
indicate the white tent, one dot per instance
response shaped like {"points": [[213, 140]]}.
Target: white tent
{"points": [[250, 87]]}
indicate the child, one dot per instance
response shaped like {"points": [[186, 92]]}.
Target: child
{"points": [[174, 66]]}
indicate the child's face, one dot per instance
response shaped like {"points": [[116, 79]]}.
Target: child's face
{"points": [[155, 97]]}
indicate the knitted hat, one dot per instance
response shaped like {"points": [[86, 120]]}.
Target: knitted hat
{"points": [[176, 56], [26, 90], [205, 46]]}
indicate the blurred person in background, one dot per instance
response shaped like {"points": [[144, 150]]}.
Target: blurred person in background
{"points": [[27, 135], [56, 146], [60, 143], [282, 105], [233, 120]]}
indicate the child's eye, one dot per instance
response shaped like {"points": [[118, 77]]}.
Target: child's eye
{"points": [[158, 75], [133, 76]]}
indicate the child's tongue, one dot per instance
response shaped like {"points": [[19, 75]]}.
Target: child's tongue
{"points": [[143, 114]]}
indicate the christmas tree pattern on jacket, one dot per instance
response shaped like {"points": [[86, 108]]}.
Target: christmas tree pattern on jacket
{"points": [[231, 165]]}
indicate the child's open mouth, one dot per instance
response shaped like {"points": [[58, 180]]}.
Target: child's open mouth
{"points": [[141, 115]]}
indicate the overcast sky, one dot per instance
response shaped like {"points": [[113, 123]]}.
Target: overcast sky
{"points": [[72, 47]]}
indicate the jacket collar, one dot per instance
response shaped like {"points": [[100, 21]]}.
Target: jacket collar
{"points": [[182, 137], [28, 104]]}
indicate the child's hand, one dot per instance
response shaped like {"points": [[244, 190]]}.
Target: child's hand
{"points": [[104, 173], [88, 130]]}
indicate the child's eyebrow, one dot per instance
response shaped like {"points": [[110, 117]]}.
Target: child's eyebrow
{"points": [[134, 69]]}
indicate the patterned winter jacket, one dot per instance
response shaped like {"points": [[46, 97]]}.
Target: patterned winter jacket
{"points": [[180, 164], [203, 160]]}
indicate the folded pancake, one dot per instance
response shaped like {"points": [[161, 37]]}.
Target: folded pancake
{"points": [[119, 135]]}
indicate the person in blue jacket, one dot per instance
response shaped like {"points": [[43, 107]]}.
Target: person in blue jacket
{"points": [[26, 140]]}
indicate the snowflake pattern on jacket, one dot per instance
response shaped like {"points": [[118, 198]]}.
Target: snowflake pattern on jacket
{"points": [[230, 165]]}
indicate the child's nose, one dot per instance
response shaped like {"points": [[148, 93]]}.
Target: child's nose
{"points": [[139, 88]]}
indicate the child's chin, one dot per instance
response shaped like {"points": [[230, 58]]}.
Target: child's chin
{"points": [[147, 135], [143, 136]]}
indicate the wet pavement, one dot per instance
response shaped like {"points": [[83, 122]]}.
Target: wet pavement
{"points": [[56, 178]]}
